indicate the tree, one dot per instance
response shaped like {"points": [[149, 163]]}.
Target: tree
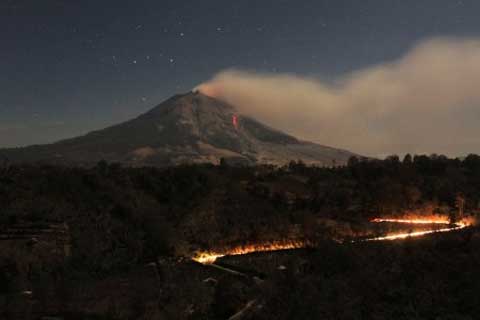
{"points": [[394, 159], [407, 160], [353, 161], [223, 162], [460, 204]]}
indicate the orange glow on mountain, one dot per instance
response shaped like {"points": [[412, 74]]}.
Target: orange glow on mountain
{"points": [[235, 121], [209, 90]]}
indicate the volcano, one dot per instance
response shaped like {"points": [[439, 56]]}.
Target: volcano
{"points": [[187, 128]]}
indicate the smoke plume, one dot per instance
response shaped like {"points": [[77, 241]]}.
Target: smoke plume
{"points": [[428, 101]]}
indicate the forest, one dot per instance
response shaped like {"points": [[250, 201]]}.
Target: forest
{"points": [[69, 235]]}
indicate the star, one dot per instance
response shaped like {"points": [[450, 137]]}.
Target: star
{"points": [[172, 60], [134, 61]]}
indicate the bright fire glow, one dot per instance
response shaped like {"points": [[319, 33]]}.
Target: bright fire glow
{"points": [[433, 220], [417, 233], [209, 257], [414, 221]]}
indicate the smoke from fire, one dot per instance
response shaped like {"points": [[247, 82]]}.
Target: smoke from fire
{"points": [[427, 101]]}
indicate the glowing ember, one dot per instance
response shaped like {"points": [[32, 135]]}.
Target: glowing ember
{"points": [[235, 121], [209, 257]]}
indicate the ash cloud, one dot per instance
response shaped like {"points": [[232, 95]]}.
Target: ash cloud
{"points": [[428, 101]]}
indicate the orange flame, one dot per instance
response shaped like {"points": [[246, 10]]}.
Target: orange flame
{"points": [[416, 234], [423, 220], [209, 257], [414, 221]]}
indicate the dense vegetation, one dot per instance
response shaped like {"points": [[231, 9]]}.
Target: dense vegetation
{"points": [[432, 278], [120, 219]]}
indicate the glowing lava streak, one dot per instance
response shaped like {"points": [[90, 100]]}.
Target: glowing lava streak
{"points": [[235, 121], [209, 257]]}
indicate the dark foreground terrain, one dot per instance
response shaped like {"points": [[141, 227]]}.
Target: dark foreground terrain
{"points": [[115, 243]]}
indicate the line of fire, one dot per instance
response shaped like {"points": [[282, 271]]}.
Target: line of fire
{"points": [[434, 224]]}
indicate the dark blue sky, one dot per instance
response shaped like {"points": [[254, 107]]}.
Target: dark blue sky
{"points": [[67, 67]]}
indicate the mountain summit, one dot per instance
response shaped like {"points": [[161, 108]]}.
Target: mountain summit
{"points": [[188, 128]]}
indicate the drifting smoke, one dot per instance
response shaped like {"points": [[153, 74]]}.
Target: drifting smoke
{"points": [[425, 102]]}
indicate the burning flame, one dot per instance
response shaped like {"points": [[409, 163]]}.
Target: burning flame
{"points": [[209, 257], [417, 233], [414, 221], [429, 220]]}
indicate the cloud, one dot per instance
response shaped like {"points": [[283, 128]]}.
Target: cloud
{"points": [[428, 101]]}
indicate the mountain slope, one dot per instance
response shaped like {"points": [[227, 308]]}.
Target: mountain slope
{"points": [[189, 128]]}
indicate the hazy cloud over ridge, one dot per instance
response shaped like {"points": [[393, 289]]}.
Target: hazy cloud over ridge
{"points": [[428, 101]]}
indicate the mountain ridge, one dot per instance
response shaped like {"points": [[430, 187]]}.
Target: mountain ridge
{"points": [[186, 128]]}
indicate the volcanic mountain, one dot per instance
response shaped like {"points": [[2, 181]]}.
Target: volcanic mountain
{"points": [[188, 128]]}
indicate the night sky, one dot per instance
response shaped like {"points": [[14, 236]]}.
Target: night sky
{"points": [[67, 67]]}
